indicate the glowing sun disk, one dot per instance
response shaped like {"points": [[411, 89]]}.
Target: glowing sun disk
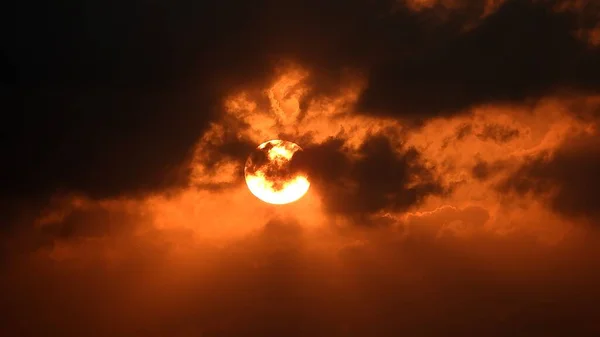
{"points": [[269, 175]]}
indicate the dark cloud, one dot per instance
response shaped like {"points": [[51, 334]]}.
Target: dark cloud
{"points": [[463, 131], [523, 50], [88, 222], [568, 177], [460, 133], [377, 178], [483, 170], [588, 18], [228, 149], [276, 172], [498, 133], [109, 97], [99, 106]]}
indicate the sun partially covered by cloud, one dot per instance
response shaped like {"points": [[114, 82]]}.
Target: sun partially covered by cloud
{"points": [[270, 176]]}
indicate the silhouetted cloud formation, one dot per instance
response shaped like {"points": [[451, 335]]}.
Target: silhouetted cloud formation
{"points": [[376, 178]]}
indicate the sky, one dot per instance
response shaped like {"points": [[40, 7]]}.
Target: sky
{"points": [[452, 147]]}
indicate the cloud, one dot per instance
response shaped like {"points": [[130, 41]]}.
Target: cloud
{"points": [[498, 133], [286, 279], [588, 19], [445, 220], [120, 94], [519, 52], [483, 170], [378, 177], [566, 177]]}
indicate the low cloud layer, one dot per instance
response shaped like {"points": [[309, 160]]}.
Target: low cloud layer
{"points": [[286, 279]]}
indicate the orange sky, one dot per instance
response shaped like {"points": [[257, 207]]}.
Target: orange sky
{"points": [[438, 210]]}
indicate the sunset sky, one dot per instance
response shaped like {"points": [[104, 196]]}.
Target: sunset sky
{"points": [[452, 148]]}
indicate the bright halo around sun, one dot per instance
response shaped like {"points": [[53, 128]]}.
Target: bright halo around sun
{"points": [[270, 175]]}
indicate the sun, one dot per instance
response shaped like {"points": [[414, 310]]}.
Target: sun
{"points": [[270, 175]]}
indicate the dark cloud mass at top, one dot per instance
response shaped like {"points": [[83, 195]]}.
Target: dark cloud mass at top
{"points": [[118, 91], [523, 50]]}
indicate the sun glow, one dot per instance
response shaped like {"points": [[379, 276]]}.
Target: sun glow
{"points": [[269, 176], [291, 191]]}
